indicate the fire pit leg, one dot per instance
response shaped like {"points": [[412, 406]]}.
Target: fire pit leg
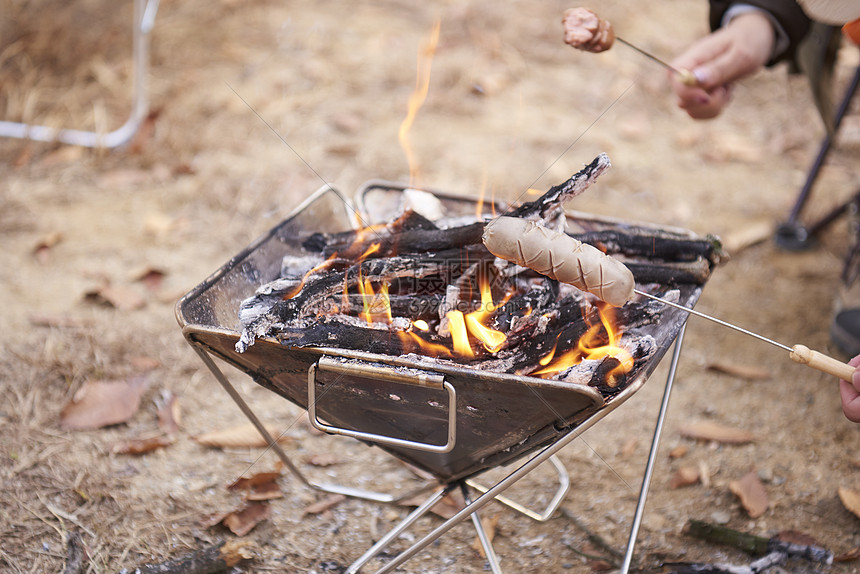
{"points": [[486, 543], [491, 494], [273, 444], [398, 529], [549, 511], [652, 455]]}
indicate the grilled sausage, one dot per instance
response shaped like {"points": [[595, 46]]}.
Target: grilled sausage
{"points": [[585, 30], [560, 257]]}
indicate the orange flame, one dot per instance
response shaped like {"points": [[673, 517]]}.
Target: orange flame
{"points": [[591, 347], [490, 338], [298, 288], [417, 98], [377, 306], [431, 349], [459, 333]]}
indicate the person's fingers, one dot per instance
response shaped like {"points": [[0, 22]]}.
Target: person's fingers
{"points": [[703, 50], [850, 401], [726, 67], [702, 105], [855, 379]]}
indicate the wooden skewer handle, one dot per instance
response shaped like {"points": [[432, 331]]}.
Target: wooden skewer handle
{"points": [[806, 356]]}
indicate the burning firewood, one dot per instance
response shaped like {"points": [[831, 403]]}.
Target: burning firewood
{"points": [[432, 289]]}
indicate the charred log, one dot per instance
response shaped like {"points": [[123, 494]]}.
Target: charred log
{"points": [[548, 209], [655, 244]]}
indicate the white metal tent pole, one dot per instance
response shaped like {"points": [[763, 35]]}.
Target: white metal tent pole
{"points": [[144, 19]]}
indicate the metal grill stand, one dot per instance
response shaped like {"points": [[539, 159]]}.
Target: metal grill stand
{"points": [[439, 491], [453, 421]]}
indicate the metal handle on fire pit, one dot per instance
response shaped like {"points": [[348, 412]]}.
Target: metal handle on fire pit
{"points": [[383, 373]]}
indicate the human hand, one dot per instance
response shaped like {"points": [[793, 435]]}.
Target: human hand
{"points": [[850, 393], [721, 58]]}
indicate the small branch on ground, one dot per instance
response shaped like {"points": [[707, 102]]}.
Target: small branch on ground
{"points": [[76, 554], [209, 560]]}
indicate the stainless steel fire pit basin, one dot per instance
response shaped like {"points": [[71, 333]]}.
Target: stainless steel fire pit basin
{"points": [[450, 420]]}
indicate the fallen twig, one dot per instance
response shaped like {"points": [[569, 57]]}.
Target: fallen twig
{"points": [[209, 560], [771, 551], [76, 554], [595, 539]]}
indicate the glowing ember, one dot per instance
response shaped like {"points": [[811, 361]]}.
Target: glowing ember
{"points": [[297, 289], [591, 347], [492, 339], [426, 347]]}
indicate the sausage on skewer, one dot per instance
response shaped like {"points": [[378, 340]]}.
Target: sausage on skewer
{"points": [[585, 30], [560, 257]]}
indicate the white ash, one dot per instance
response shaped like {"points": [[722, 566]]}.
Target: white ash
{"points": [[258, 327], [422, 203], [673, 296], [581, 373], [282, 284], [452, 299], [254, 318], [297, 265]]}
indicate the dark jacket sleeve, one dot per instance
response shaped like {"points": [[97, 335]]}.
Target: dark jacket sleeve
{"points": [[787, 12]]}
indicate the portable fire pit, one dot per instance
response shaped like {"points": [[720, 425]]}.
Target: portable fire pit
{"points": [[352, 313]]}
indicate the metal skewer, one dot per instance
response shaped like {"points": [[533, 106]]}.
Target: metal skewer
{"points": [[798, 353], [686, 76]]}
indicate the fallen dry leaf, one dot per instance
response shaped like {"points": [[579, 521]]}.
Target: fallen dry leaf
{"points": [[242, 521], [326, 503], [323, 459], [142, 445], [120, 297], [144, 134], [249, 482], [241, 436], [169, 412], [489, 525], [849, 556], [629, 447], [678, 451], [43, 247], [716, 432], [261, 486], [451, 504], [102, 403], [600, 565], [151, 277], [748, 372], [684, 476], [265, 491], [751, 493], [850, 500]]}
